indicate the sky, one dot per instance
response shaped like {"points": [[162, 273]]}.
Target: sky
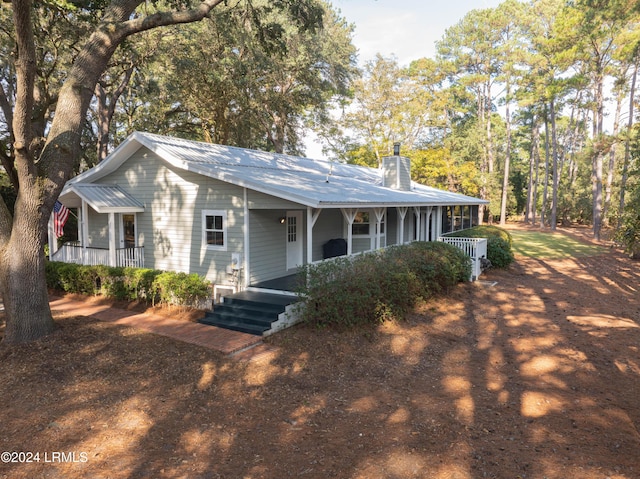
{"points": [[406, 29]]}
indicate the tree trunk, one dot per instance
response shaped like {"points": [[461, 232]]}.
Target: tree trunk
{"points": [[103, 123], [597, 165], [505, 180], [612, 160], [532, 188], [484, 165], [22, 235], [569, 156], [106, 109], [22, 272], [543, 212], [554, 146], [597, 195], [490, 157], [627, 145], [537, 179]]}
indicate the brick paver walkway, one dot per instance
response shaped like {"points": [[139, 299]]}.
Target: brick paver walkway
{"points": [[223, 340]]}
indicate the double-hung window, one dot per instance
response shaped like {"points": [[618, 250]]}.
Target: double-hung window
{"points": [[361, 224], [214, 229]]}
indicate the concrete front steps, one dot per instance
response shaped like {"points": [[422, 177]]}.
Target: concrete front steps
{"points": [[254, 312]]}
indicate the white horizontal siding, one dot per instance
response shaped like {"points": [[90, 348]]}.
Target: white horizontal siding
{"points": [[267, 245], [262, 201], [98, 230], [330, 225]]}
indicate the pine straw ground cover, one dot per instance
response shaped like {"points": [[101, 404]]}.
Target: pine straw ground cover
{"points": [[535, 377]]}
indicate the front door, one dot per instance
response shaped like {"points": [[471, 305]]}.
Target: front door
{"points": [[294, 239], [128, 232]]}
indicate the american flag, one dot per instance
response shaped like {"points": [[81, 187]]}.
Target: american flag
{"points": [[60, 215]]}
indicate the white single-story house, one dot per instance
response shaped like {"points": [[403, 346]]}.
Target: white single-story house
{"points": [[245, 218]]}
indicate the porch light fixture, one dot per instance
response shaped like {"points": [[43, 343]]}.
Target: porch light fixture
{"points": [[282, 220]]}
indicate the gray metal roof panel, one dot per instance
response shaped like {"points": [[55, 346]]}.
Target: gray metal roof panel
{"points": [[107, 198], [300, 179]]}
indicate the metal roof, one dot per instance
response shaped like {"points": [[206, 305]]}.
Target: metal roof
{"points": [[102, 198], [310, 182]]}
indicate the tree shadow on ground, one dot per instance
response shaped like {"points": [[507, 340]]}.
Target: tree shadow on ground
{"points": [[534, 377]]}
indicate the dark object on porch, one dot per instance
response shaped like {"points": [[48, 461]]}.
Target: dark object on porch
{"points": [[485, 263], [334, 247]]}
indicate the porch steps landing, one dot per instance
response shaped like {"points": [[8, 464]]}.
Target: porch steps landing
{"points": [[249, 312]]}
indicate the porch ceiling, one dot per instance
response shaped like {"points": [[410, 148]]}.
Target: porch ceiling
{"points": [[102, 198]]}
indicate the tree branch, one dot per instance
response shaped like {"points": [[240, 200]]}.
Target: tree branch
{"points": [[162, 19], [25, 73], [6, 109], [6, 223], [63, 140]]}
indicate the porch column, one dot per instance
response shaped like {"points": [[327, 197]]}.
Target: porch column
{"points": [[84, 225], [427, 222], [379, 212], [416, 212], [246, 242], [53, 240], [434, 223], [350, 215], [112, 239], [402, 213], [312, 217], [439, 221]]}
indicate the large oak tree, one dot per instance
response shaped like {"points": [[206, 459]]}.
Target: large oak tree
{"points": [[39, 161]]}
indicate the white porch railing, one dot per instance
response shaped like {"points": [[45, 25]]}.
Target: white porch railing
{"points": [[73, 252], [353, 255], [475, 248], [130, 257]]}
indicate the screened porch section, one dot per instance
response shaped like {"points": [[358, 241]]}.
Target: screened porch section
{"points": [[459, 217]]}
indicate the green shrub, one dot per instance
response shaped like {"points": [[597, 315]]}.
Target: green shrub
{"points": [[485, 231], [141, 283], [499, 243], [71, 278], [110, 282], [629, 237], [343, 291], [127, 283], [374, 287], [180, 288], [439, 266], [499, 253]]}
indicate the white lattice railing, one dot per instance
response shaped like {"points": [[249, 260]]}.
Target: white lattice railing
{"points": [[475, 248]]}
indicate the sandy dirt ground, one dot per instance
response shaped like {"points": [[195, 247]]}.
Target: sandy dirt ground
{"points": [[535, 376]]}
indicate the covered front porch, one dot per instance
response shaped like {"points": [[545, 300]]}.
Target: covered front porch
{"points": [[107, 227], [475, 248], [291, 238]]}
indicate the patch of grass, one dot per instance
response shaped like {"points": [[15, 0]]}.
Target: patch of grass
{"points": [[539, 244]]}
